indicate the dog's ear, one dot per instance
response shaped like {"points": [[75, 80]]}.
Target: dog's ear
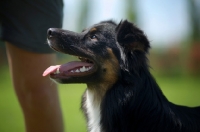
{"points": [[131, 37]]}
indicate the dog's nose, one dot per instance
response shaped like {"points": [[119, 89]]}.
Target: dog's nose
{"points": [[50, 33]]}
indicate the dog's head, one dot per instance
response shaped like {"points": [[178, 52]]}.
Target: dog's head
{"points": [[105, 51]]}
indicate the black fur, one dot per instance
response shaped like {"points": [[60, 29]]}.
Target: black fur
{"points": [[134, 101]]}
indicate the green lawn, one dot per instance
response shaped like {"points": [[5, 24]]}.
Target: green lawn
{"points": [[182, 90]]}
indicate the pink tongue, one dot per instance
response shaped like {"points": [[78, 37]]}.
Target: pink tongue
{"points": [[51, 69], [65, 67]]}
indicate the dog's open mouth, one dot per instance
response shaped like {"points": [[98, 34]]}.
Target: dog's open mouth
{"points": [[71, 69]]}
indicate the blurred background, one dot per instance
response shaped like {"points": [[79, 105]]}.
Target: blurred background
{"points": [[173, 28]]}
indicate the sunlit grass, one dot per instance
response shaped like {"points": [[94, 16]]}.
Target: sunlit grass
{"points": [[70, 96], [180, 90]]}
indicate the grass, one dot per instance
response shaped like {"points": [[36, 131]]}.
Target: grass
{"points": [[180, 90]]}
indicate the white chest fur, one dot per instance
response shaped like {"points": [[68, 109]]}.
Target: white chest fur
{"points": [[93, 111]]}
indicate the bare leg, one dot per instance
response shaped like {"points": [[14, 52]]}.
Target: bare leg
{"points": [[37, 95]]}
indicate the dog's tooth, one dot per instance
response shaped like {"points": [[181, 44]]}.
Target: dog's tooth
{"points": [[87, 69], [72, 71], [83, 69], [77, 70]]}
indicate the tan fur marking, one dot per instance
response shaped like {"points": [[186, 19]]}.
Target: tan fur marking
{"points": [[111, 65], [93, 29]]}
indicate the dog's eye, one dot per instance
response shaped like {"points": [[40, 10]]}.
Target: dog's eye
{"points": [[93, 37]]}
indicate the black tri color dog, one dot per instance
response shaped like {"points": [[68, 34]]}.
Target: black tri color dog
{"points": [[121, 95]]}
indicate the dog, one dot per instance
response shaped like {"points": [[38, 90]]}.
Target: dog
{"points": [[121, 94]]}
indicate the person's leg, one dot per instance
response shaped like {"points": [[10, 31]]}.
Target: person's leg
{"points": [[37, 95]]}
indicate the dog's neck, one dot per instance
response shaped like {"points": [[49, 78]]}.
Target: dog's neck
{"points": [[103, 101], [138, 97], [98, 90], [94, 96], [92, 105]]}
